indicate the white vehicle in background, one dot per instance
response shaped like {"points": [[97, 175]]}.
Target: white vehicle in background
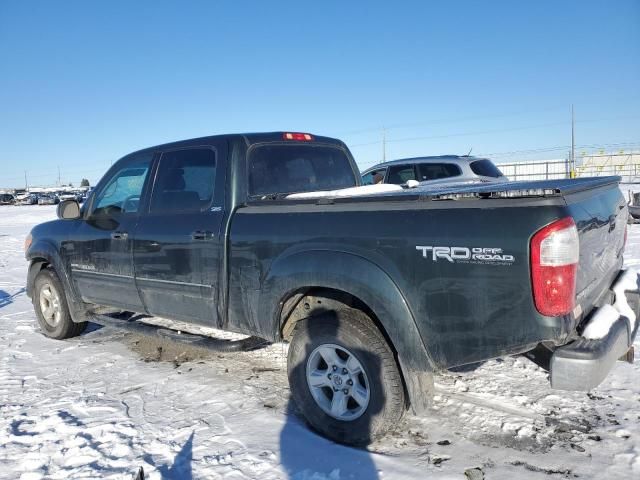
{"points": [[48, 199], [27, 199], [434, 170], [68, 196]]}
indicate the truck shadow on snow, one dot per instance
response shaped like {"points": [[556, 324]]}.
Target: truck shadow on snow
{"points": [[181, 468], [304, 454], [8, 298]]}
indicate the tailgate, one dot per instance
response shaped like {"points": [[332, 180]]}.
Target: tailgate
{"points": [[601, 217], [600, 214]]}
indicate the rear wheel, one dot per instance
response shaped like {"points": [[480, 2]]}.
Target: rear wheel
{"points": [[344, 377], [51, 307]]}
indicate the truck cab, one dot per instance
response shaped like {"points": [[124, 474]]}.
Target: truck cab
{"points": [[160, 215]]}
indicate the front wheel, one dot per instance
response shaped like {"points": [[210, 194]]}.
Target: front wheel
{"points": [[344, 377], [51, 307]]}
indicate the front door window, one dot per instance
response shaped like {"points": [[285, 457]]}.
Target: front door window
{"points": [[123, 191]]}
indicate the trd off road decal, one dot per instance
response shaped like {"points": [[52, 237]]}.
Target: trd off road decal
{"points": [[488, 256]]}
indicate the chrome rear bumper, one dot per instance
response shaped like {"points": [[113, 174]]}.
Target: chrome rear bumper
{"points": [[584, 363]]}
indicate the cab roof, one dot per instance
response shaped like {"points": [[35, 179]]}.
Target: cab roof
{"points": [[248, 138]]}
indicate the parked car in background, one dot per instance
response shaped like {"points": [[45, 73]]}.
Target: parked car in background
{"points": [[84, 195], [48, 199], [28, 199], [7, 199], [437, 169], [68, 196]]}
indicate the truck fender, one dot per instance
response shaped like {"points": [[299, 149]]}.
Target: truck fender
{"points": [[361, 278], [42, 252]]}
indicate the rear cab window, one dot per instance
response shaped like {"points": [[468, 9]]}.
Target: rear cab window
{"points": [[281, 169], [485, 168]]}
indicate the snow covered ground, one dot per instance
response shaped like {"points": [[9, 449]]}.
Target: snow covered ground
{"points": [[101, 405]]}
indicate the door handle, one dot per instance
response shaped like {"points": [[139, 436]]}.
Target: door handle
{"points": [[119, 235], [201, 235]]}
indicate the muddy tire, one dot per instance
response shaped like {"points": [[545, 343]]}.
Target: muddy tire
{"points": [[52, 311], [344, 377]]}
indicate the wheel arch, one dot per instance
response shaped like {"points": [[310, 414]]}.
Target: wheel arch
{"points": [[36, 264], [43, 254], [297, 282]]}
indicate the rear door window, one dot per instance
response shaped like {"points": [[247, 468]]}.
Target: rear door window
{"points": [[436, 171], [400, 174], [485, 168], [283, 169], [185, 181]]}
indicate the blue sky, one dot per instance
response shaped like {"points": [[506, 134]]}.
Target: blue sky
{"points": [[83, 83]]}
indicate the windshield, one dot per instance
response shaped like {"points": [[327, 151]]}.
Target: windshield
{"points": [[280, 169]]}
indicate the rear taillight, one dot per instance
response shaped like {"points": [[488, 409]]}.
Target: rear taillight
{"points": [[302, 137], [555, 251]]}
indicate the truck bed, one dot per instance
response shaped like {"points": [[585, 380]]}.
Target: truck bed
{"points": [[465, 311], [453, 191]]}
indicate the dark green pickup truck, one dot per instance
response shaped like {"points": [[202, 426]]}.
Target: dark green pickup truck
{"points": [[375, 287]]}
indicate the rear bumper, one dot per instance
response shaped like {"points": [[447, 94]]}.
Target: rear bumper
{"points": [[609, 334]]}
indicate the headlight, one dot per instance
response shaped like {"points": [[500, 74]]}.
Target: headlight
{"points": [[27, 242]]}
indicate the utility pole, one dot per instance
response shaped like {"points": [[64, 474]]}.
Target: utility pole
{"points": [[573, 144], [26, 183], [58, 175], [384, 144]]}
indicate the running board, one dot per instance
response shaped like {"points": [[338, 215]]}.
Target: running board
{"points": [[190, 339]]}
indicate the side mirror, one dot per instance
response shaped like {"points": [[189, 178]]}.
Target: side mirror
{"points": [[68, 210]]}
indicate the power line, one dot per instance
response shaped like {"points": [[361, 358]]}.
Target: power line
{"points": [[561, 148], [527, 151], [573, 142], [485, 132], [446, 120], [462, 134], [626, 98], [53, 175], [384, 145]]}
